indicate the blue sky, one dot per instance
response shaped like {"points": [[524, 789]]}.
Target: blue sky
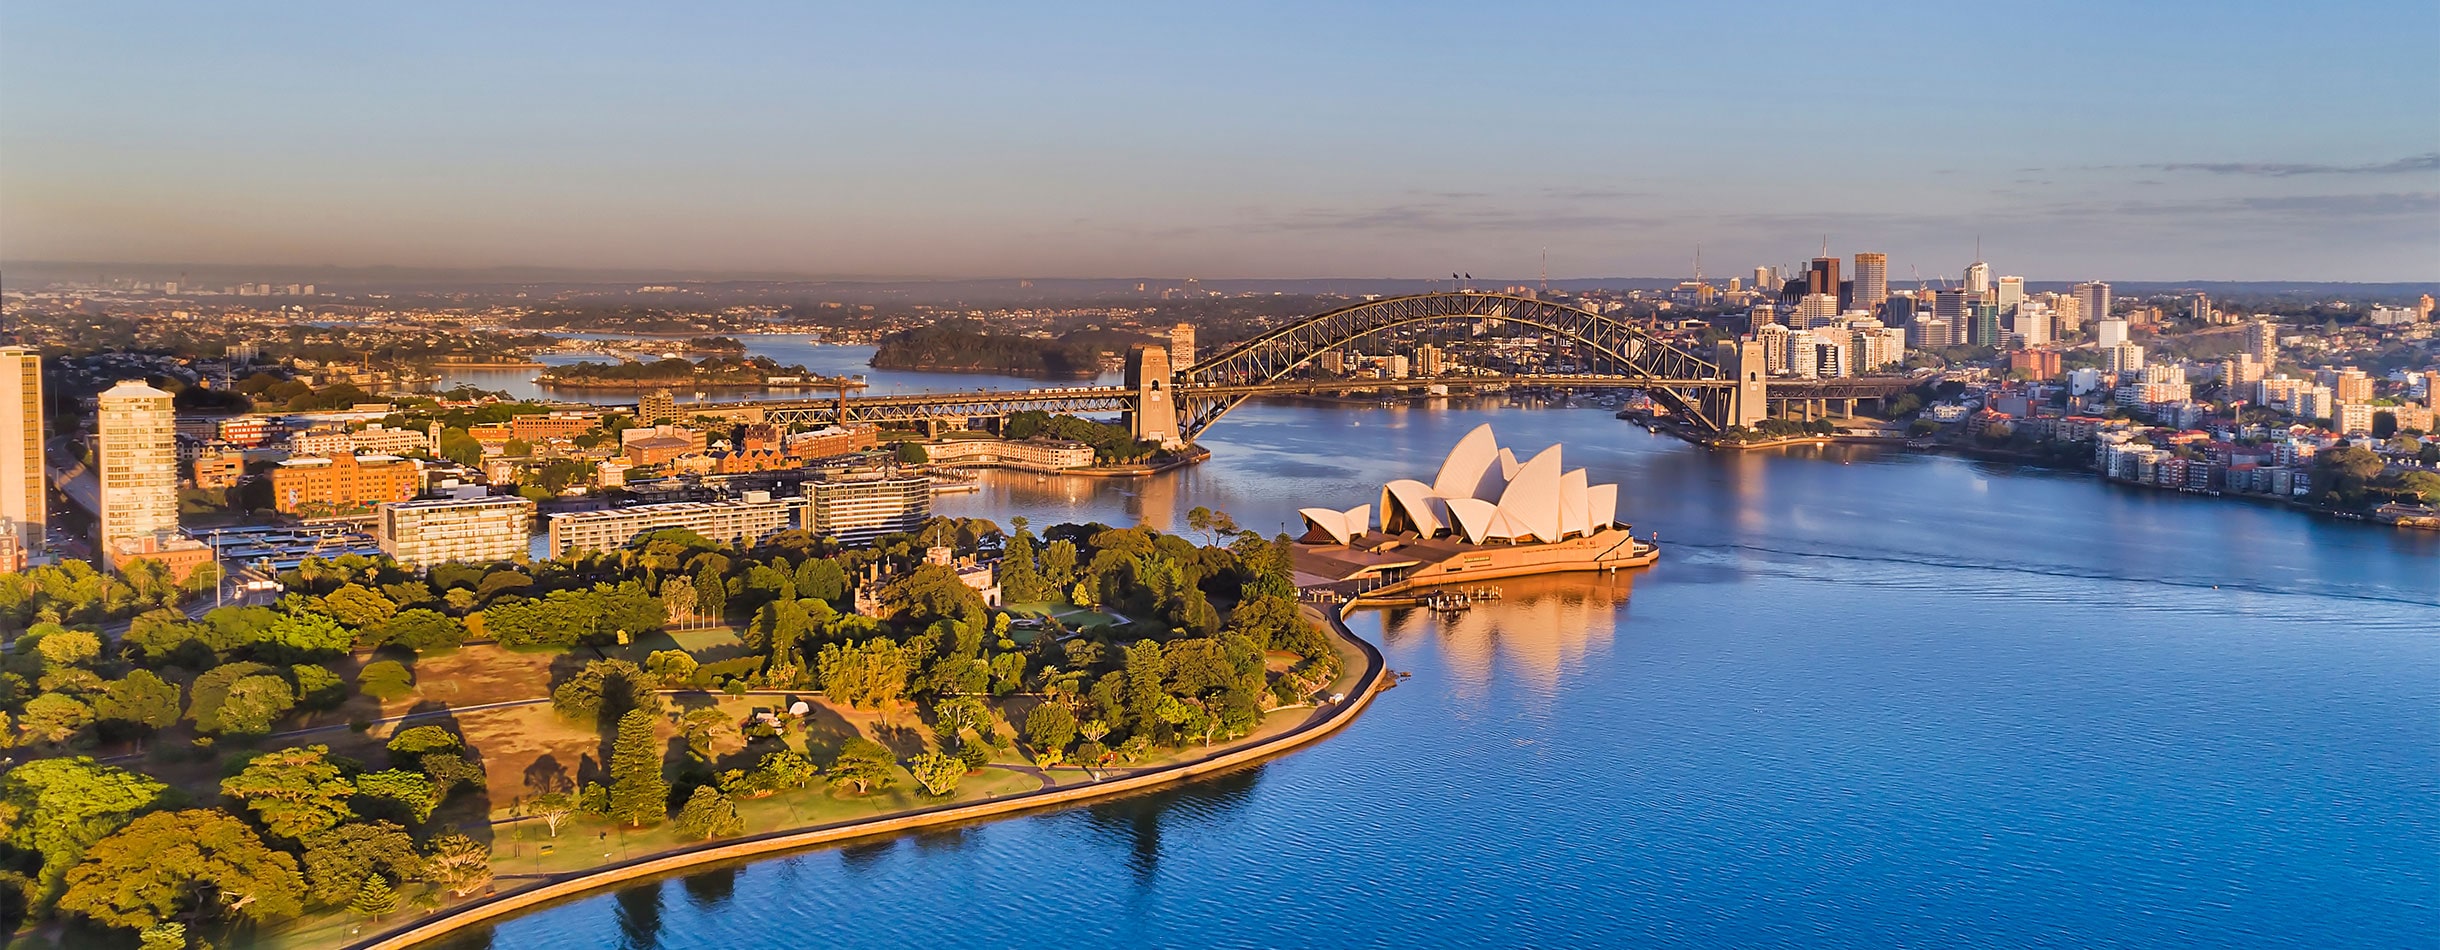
{"points": [[2126, 141]]}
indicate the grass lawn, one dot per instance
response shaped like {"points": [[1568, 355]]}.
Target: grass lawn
{"points": [[707, 645]]}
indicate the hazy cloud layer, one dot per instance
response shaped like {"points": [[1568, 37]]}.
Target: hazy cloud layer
{"points": [[2426, 162]]}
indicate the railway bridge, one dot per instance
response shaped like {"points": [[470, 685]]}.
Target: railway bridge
{"points": [[1175, 405]]}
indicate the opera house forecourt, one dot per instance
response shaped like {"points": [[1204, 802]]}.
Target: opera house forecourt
{"points": [[1485, 515]]}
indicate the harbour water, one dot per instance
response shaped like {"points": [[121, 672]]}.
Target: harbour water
{"points": [[1866, 699]]}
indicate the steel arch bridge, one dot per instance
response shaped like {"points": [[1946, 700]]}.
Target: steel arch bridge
{"points": [[1694, 389]]}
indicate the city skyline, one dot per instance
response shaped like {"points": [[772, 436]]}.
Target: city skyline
{"points": [[1270, 144]]}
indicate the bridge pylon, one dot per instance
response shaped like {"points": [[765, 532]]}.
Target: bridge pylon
{"points": [[1155, 415], [1749, 402]]}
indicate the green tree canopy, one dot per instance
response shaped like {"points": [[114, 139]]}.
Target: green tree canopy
{"points": [[194, 863], [294, 792], [639, 795], [57, 808]]}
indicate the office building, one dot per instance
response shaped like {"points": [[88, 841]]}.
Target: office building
{"points": [[1928, 333], [472, 527], [2011, 294], [1332, 362], [1181, 347], [744, 522], [2092, 300], [1427, 360], [1871, 281], [1878, 347], [219, 470], [24, 503], [1816, 310], [1762, 315], [857, 508], [139, 464], [2109, 333], [343, 483], [1956, 309], [1984, 327], [1978, 278], [1822, 278], [2031, 324]]}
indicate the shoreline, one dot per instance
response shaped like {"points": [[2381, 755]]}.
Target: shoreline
{"points": [[1320, 724]]}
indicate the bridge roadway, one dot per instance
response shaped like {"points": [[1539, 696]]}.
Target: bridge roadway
{"points": [[917, 408]]}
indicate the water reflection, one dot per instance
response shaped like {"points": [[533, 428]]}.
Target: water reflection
{"points": [[1136, 822], [639, 916], [1541, 629]]}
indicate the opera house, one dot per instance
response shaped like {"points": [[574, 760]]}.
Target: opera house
{"points": [[1484, 515]]}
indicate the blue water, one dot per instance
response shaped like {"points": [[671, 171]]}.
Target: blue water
{"points": [[1865, 700]]}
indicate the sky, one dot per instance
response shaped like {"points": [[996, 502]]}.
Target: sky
{"points": [[2131, 141]]}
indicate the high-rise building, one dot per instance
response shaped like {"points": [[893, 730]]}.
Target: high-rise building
{"points": [[1978, 278], [1764, 279], [2109, 333], [1804, 354], [2031, 323], [2093, 300], [2011, 293], [472, 527], [2262, 340], [24, 508], [1984, 329], [1332, 362], [1774, 340], [139, 461], [2122, 358], [1816, 310], [1181, 347], [1822, 277], [1928, 332], [1871, 280], [1955, 308], [2202, 310], [1427, 360]]}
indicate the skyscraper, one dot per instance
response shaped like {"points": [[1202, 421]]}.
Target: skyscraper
{"points": [[23, 511], [1978, 278], [1955, 310], [139, 459], [2094, 298], [1822, 277], [2011, 293], [1871, 280]]}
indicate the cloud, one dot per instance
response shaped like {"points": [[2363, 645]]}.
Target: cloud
{"points": [[2426, 162], [1443, 217]]}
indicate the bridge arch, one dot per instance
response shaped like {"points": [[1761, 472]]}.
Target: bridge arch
{"points": [[1266, 358]]}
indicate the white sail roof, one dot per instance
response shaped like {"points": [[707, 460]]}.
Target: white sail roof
{"points": [[1483, 493]]}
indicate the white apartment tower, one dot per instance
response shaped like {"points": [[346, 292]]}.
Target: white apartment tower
{"points": [[139, 460], [23, 507]]}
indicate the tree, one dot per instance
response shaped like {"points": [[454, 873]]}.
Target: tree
{"points": [[873, 673], [458, 864], [700, 725], [183, 863], [142, 699], [639, 795], [938, 772], [821, 579], [359, 607], [337, 860], [863, 765], [784, 769], [553, 808], [69, 648], [1059, 564], [168, 935], [708, 814], [294, 792], [910, 453], [374, 898], [385, 680], [254, 703], [400, 793], [54, 718], [604, 691], [317, 687], [410, 745], [711, 594], [307, 636], [1050, 727], [421, 630], [57, 808]]}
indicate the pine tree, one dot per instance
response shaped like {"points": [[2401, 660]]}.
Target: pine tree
{"points": [[639, 796], [711, 595], [375, 898]]}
